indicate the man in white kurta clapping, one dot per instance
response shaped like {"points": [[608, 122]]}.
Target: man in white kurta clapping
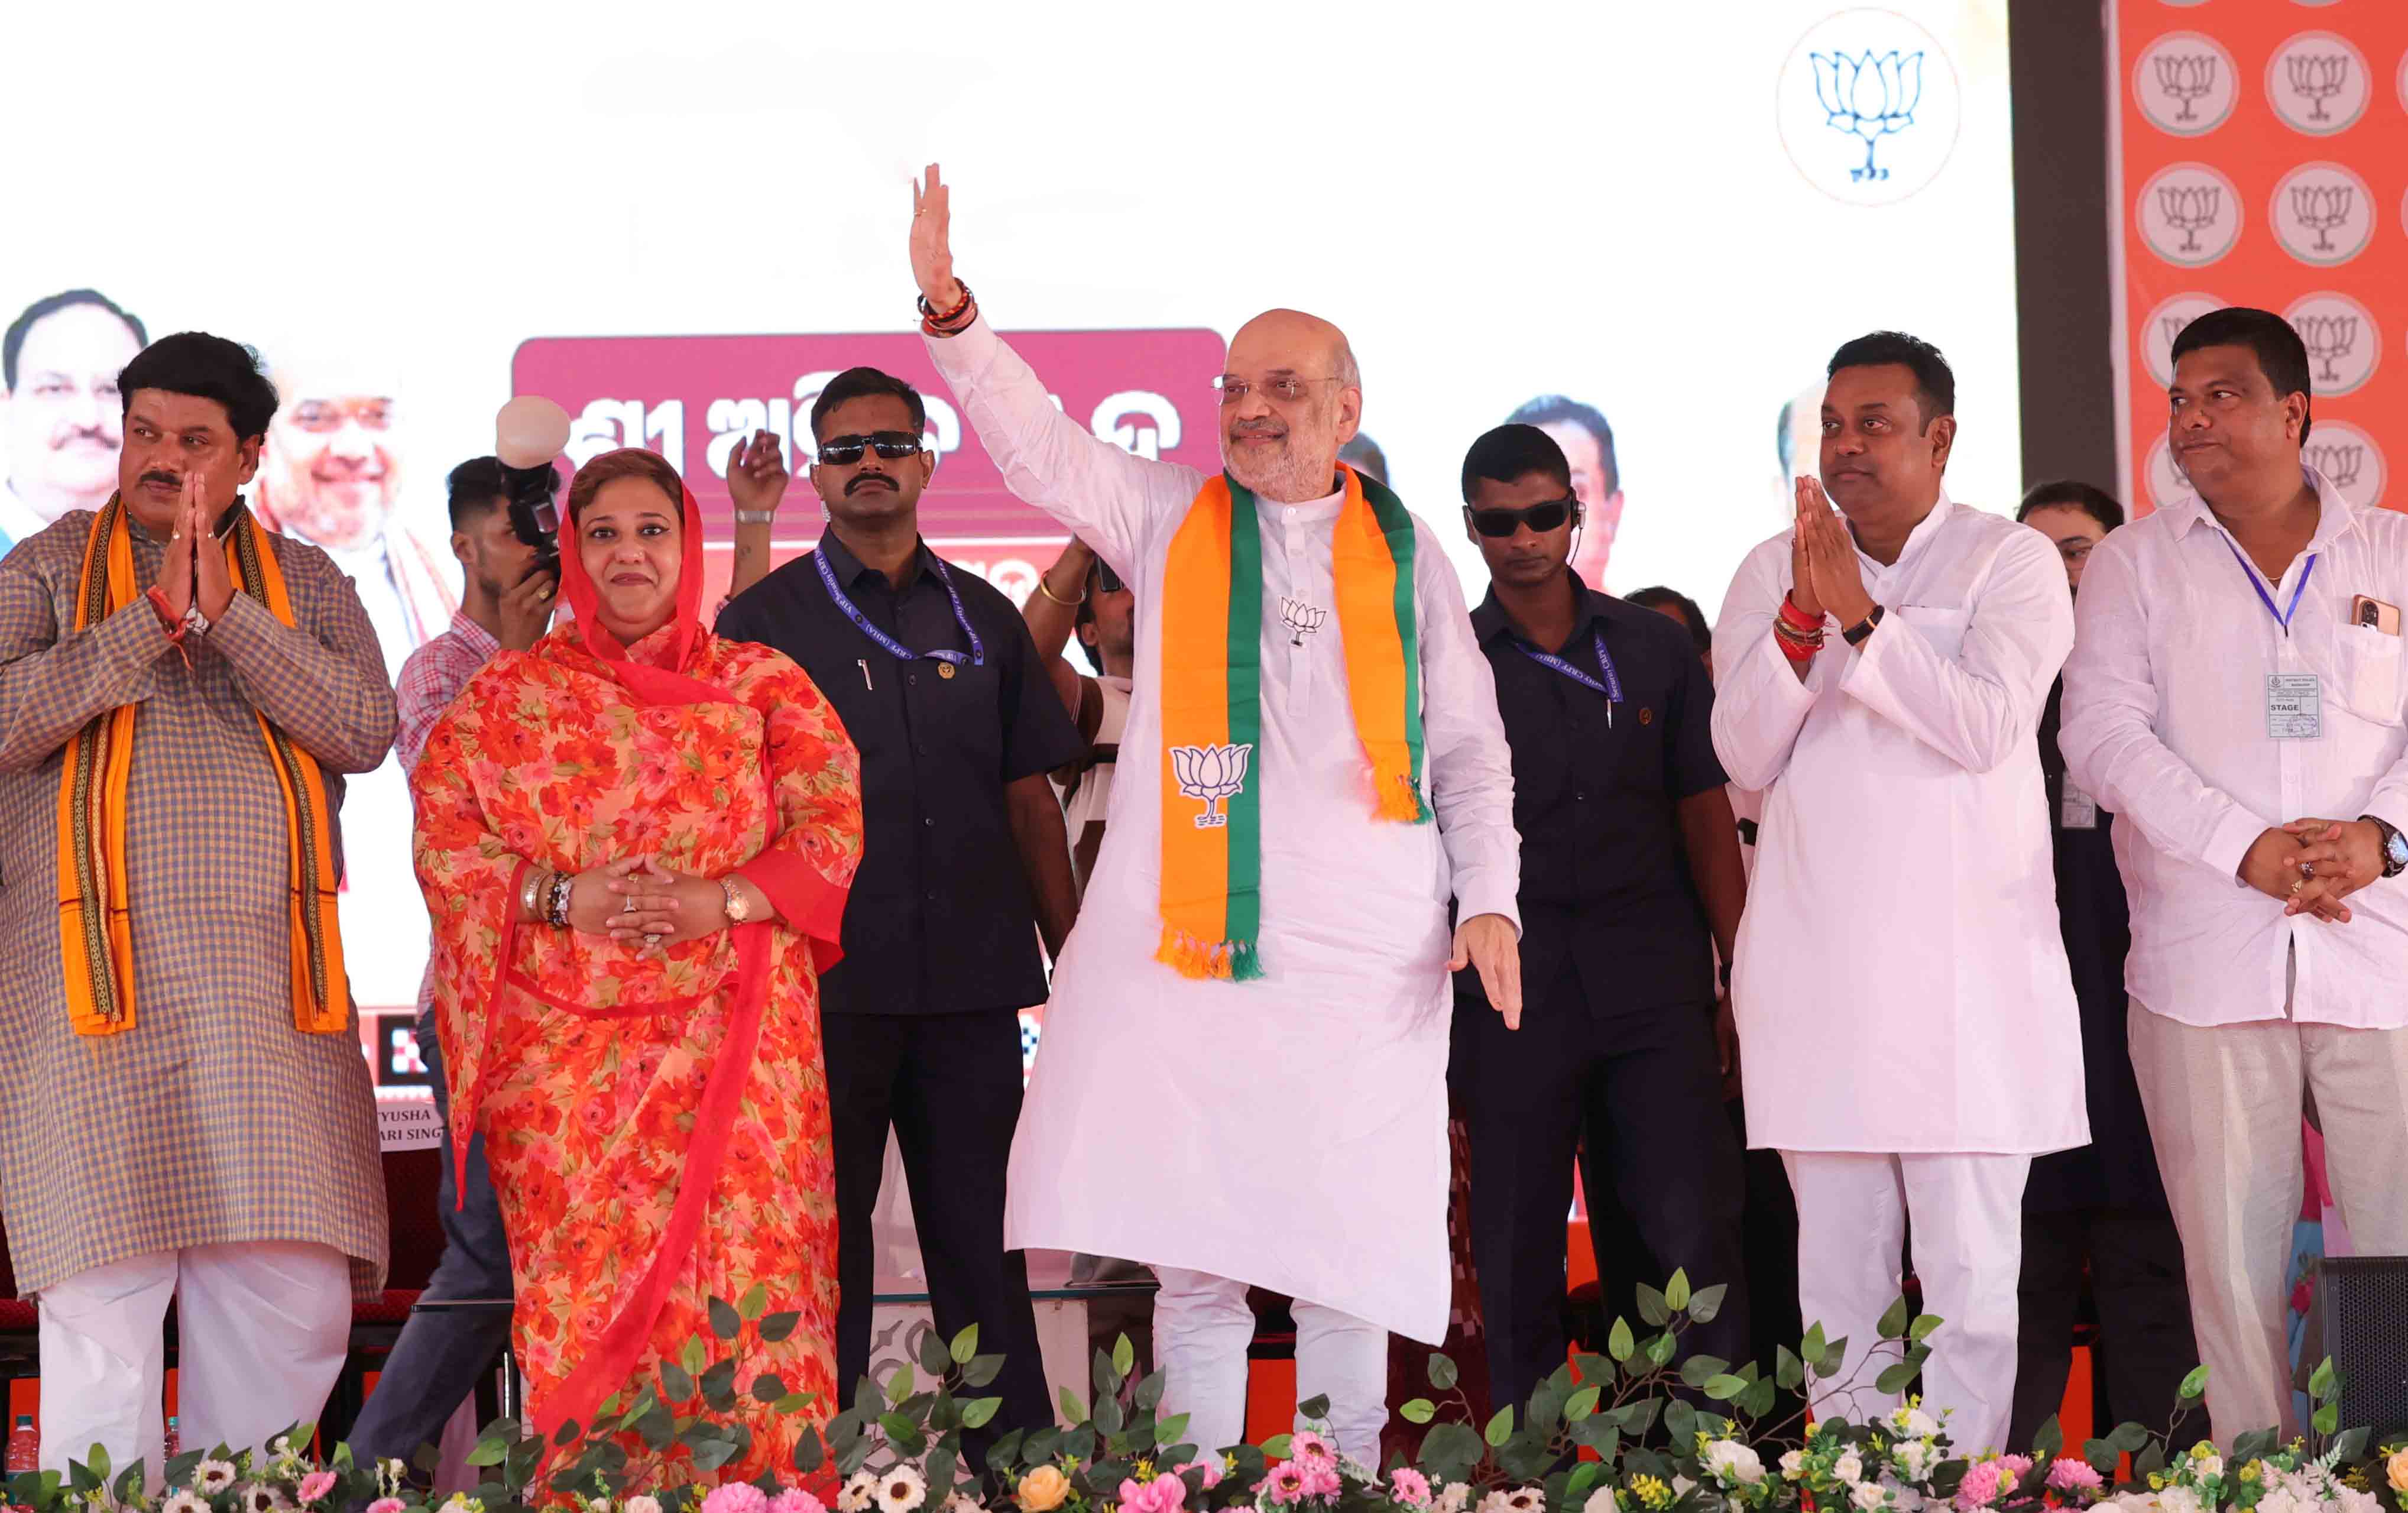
{"points": [[1901, 987], [1243, 1078]]}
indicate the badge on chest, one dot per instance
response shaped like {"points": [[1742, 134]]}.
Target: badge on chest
{"points": [[2295, 706]]}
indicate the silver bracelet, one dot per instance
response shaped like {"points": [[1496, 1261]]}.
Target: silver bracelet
{"points": [[755, 517]]}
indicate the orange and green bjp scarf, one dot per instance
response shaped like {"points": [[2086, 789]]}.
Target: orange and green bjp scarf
{"points": [[96, 922], [1213, 707]]}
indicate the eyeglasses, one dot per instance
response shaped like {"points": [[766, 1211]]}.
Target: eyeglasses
{"points": [[1542, 518], [1107, 581], [1287, 388], [844, 451]]}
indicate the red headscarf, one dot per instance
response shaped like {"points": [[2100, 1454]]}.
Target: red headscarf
{"points": [[666, 681]]}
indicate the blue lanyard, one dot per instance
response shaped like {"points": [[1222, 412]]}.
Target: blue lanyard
{"points": [[2258, 582], [896, 648], [1610, 687]]}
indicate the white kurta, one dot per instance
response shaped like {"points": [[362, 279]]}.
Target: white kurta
{"points": [[1900, 985], [1288, 1132]]}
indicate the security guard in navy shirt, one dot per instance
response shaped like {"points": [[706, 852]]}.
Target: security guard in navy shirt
{"points": [[1630, 876]]}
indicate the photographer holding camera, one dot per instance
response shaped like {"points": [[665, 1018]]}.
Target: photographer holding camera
{"points": [[502, 533]]}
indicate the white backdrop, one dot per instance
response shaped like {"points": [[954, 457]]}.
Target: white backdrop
{"points": [[1645, 208]]}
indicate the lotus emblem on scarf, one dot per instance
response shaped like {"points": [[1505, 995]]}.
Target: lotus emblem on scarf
{"points": [[1300, 618], [1870, 96], [1210, 773]]}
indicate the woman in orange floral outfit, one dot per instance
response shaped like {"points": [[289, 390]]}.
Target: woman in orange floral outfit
{"points": [[636, 841]]}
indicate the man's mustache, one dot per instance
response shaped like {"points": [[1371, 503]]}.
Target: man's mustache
{"points": [[155, 476], [861, 481], [83, 433], [1258, 427]]}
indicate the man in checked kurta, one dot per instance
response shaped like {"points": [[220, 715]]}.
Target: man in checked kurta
{"points": [[1243, 1076], [184, 1111]]}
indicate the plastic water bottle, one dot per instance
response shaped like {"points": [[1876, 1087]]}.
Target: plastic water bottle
{"points": [[24, 1447], [175, 1440]]}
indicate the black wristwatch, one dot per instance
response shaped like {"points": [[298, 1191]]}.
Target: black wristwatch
{"points": [[2394, 846], [1854, 635]]}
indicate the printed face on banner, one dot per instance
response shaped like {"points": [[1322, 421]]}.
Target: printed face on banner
{"points": [[2344, 343], [2322, 213], [694, 400], [2164, 323], [2318, 84], [1869, 106], [2184, 83], [2188, 213]]}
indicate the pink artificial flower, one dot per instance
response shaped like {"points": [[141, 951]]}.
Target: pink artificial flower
{"points": [[315, 1486], [2020, 1464], [737, 1497], [1311, 1449], [2067, 1475], [1163, 1494], [793, 1500], [1409, 1488], [1211, 1469], [386, 1505], [1981, 1487], [1285, 1485], [1321, 1478]]}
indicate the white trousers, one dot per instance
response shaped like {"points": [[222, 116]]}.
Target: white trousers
{"points": [[2224, 1111], [1968, 1245], [262, 1329], [1201, 1329]]}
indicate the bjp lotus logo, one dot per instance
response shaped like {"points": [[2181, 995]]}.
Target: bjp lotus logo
{"points": [[2327, 338], [2321, 208], [2186, 78], [2317, 77], [1869, 96], [2190, 208], [1210, 773], [1300, 618]]}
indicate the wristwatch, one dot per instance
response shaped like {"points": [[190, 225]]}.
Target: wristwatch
{"points": [[2394, 846], [733, 901], [1854, 635], [195, 623], [757, 517]]}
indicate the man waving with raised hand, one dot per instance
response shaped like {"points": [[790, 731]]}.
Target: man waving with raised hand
{"points": [[1243, 1080]]}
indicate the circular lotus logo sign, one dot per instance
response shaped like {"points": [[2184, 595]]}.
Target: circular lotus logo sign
{"points": [[1867, 107], [2322, 213], [2165, 323], [2318, 84], [2184, 83], [2188, 213], [2342, 343]]}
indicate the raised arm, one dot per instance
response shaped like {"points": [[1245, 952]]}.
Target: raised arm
{"points": [[52, 684], [1759, 703], [1106, 495], [1983, 704], [320, 682]]}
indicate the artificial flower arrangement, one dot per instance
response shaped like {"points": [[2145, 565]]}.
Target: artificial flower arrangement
{"points": [[1635, 1430]]}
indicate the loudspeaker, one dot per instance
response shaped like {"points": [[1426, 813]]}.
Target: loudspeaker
{"points": [[2363, 1306]]}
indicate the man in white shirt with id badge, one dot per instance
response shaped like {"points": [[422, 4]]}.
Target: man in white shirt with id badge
{"points": [[2234, 696]]}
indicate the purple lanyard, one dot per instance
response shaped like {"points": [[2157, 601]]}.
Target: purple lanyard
{"points": [[2258, 582], [1610, 687], [896, 648]]}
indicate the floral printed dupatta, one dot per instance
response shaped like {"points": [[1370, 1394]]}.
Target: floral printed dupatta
{"points": [[649, 1144]]}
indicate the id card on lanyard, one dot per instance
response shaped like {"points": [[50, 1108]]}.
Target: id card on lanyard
{"points": [[2295, 702], [1610, 687]]}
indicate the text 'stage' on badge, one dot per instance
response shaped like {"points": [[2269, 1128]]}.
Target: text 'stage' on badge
{"points": [[2295, 707]]}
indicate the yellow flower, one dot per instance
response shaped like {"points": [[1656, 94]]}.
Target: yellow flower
{"points": [[1651, 1491], [1042, 1490], [2395, 1470], [2248, 1472], [1144, 1470]]}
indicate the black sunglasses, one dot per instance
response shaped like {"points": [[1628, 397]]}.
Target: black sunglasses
{"points": [[1107, 581], [844, 451], [1542, 518]]}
